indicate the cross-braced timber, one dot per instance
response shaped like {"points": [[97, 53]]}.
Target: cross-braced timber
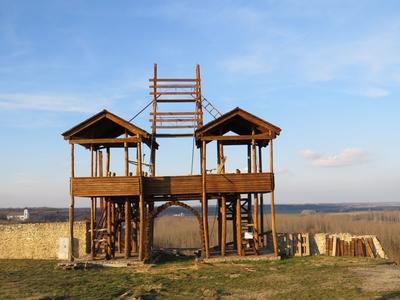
{"points": [[123, 206]]}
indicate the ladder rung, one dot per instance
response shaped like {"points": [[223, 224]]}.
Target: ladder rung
{"points": [[176, 100], [177, 126], [175, 120], [98, 230], [173, 86], [100, 240], [173, 79], [173, 93], [168, 113]]}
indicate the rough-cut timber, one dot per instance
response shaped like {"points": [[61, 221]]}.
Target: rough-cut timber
{"points": [[124, 205]]}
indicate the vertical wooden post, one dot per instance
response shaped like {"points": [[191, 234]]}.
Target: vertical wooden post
{"points": [[107, 161], [134, 228], [223, 225], [204, 202], [108, 207], [99, 172], [153, 127], [239, 226], [119, 233], [113, 229], [92, 211], [255, 200], [126, 161], [263, 238], [234, 228], [199, 109], [141, 205], [127, 228], [95, 164], [249, 195], [137, 161], [273, 225], [219, 200], [222, 202], [92, 245], [219, 219], [100, 155], [71, 207]]}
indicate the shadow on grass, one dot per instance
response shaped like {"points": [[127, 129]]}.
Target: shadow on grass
{"points": [[390, 295], [173, 259]]}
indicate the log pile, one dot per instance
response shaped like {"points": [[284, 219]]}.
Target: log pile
{"points": [[363, 247]]}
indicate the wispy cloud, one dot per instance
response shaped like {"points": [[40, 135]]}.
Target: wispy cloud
{"points": [[373, 92], [46, 102], [347, 157], [369, 58], [248, 64]]}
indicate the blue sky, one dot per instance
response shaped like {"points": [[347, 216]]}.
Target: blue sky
{"points": [[326, 72]]}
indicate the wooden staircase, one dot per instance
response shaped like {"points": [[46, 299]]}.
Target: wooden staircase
{"points": [[238, 210], [101, 234]]}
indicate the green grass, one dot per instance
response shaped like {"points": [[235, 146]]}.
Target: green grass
{"points": [[305, 278]]}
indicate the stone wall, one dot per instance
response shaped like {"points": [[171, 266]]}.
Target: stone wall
{"points": [[40, 240]]}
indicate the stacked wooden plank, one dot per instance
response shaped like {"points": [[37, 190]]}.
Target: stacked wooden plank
{"points": [[297, 244], [363, 247]]}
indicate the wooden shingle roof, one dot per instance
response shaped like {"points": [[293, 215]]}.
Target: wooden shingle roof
{"points": [[105, 125], [239, 122]]}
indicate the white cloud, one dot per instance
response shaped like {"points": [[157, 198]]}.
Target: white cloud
{"points": [[310, 154], [347, 157], [374, 92], [48, 102]]}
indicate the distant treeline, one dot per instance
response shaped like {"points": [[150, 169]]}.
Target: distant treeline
{"points": [[49, 214]]}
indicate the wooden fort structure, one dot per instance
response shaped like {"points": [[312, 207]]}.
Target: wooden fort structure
{"points": [[124, 206]]}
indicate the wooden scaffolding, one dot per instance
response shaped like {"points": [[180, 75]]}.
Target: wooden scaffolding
{"points": [[123, 205]]}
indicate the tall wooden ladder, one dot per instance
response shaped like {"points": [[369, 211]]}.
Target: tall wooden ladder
{"points": [[211, 109], [171, 98]]}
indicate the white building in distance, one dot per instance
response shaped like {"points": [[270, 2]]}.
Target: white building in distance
{"points": [[23, 217]]}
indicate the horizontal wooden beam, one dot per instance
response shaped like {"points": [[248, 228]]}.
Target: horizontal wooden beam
{"points": [[174, 120], [174, 113], [235, 137], [173, 80], [103, 141], [176, 100], [173, 86], [172, 135], [172, 185], [173, 93], [177, 126]]}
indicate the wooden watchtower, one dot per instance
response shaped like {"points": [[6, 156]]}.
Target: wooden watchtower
{"points": [[123, 206]]}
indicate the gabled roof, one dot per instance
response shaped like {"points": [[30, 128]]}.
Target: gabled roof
{"points": [[239, 122], [105, 125]]}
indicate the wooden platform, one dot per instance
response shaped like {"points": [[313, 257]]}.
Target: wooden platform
{"points": [[161, 186]]}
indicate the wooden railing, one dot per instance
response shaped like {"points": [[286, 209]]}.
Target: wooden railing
{"points": [[172, 185]]}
